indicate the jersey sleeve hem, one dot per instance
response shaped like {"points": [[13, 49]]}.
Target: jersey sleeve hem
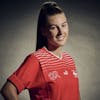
{"points": [[16, 82]]}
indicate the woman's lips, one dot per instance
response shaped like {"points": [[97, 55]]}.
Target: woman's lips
{"points": [[60, 38]]}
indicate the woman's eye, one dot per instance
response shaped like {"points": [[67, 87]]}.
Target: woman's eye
{"points": [[64, 25], [53, 27]]}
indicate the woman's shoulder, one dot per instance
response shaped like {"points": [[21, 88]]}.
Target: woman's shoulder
{"points": [[33, 55], [68, 57], [66, 54]]}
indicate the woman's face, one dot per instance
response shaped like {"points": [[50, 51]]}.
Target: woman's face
{"points": [[56, 30]]}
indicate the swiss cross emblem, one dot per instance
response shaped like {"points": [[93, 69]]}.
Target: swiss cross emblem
{"points": [[53, 75]]}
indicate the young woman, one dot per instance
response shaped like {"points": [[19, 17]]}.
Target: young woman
{"points": [[48, 73]]}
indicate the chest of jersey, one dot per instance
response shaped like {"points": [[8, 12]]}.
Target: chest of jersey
{"points": [[60, 76]]}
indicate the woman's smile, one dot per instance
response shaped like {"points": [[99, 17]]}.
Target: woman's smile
{"points": [[60, 38], [57, 30]]}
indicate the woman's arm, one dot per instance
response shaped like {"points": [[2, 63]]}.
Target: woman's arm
{"points": [[9, 91]]}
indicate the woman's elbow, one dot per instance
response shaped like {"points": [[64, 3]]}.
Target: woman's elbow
{"points": [[9, 91]]}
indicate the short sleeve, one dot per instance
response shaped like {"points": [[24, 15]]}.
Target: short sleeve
{"points": [[25, 74]]}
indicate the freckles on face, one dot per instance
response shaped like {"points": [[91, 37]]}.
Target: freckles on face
{"points": [[57, 29]]}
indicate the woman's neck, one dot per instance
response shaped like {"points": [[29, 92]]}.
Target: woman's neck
{"points": [[56, 50]]}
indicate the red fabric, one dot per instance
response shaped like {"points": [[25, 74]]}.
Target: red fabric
{"points": [[47, 77], [28, 75]]}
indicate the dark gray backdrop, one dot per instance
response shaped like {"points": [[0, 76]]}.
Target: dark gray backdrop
{"points": [[18, 20]]}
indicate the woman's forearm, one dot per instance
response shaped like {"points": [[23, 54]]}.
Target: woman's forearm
{"points": [[9, 91]]}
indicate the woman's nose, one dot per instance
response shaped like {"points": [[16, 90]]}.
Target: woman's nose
{"points": [[60, 31]]}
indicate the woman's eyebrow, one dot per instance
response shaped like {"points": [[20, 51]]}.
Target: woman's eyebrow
{"points": [[64, 22], [52, 25]]}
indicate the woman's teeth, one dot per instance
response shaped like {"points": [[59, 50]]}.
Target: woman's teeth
{"points": [[60, 38]]}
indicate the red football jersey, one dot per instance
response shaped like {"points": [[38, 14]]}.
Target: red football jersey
{"points": [[47, 77]]}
